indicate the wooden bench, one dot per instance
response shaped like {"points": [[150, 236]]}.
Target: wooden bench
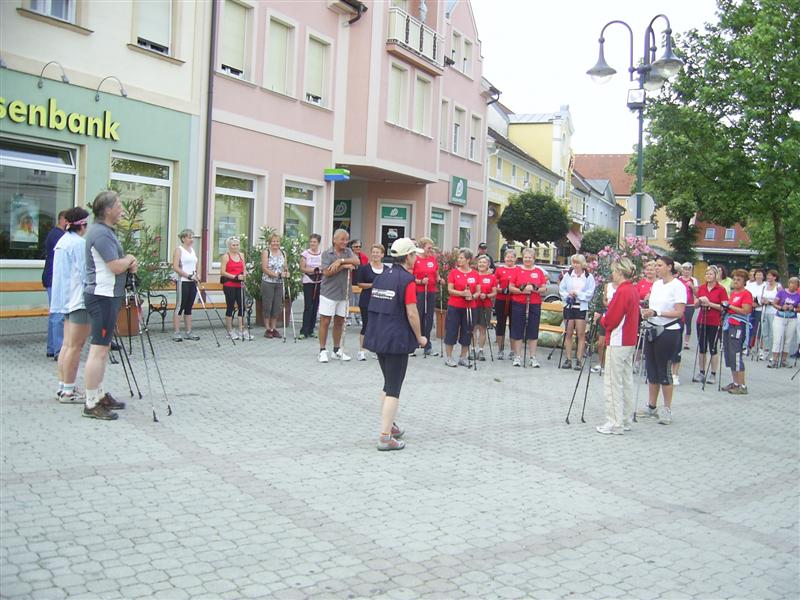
{"points": [[22, 286]]}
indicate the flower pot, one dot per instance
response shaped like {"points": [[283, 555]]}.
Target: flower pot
{"points": [[440, 313], [259, 312], [127, 323]]}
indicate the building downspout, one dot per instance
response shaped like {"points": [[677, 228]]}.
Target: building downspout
{"points": [[212, 60], [360, 7]]}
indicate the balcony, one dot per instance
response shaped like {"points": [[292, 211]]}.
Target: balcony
{"points": [[415, 42]]}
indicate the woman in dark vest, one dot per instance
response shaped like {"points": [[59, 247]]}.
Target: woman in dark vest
{"points": [[393, 331]]}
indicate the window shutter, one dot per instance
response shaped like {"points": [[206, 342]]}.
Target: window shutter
{"points": [[234, 22], [315, 66], [395, 93], [278, 57], [420, 100], [154, 21]]}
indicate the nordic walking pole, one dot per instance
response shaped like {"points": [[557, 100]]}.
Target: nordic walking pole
{"points": [[425, 318], [291, 313], [152, 349], [587, 358], [525, 332], [230, 337], [283, 295], [697, 348], [639, 341], [346, 312], [488, 337], [472, 357], [441, 308], [205, 310], [575, 392], [144, 357], [120, 350]]}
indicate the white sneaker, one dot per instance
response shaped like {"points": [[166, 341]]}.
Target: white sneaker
{"points": [[451, 362], [340, 355], [609, 429], [245, 335], [362, 355], [676, 380], [533, 363], [626, 425], [323, 356], [233, 335], [516, 362], [596, 369], [665, 416], [501, 355]]}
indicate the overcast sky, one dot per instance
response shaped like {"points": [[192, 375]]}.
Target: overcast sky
{"points": [[537, 53]]}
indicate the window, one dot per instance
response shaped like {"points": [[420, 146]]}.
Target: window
{"points": [[444, 124], [280, 58], [513, 174], [234, 196], [710, 233], [466, 223], [234, 38], [499, 168], [458, 130], [455, 50], [154, 25], [36, 183], [58, 9], [630, 228], [475, 138], [438, 227], [526, 182], [422, 104], [397, 112], [298, 210], [672, 228], [317, 71], [730, 234], [150, 180], [466, 66]]}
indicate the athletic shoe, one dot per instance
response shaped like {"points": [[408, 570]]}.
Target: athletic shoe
{"points": [[516, 362], [387, 442], [567, 364], [578, 365], [397, 432], [739, 390], [481, 356], [649, 413], [99, 412], [412, 354], [501, 355], [268, 333], [50, 355], [276, 334], [665, 416], [362, 355], [450, 362], [533, 363], [190, 335], [55, 357], [626, 425], [430, 353], [609, 429], [773, 365], [177, 337], [462, 362], [74, 397], [323, 356], [596, 369], [340, 355], [712, 378], [676, 380], [302, 336], [108, 401], [699, 377], [762, 355], [233, 335], [729, 387], [511, 355], [245, 335]]}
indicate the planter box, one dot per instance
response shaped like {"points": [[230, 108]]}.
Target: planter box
{"points": [[440, 322], [127, 321]]}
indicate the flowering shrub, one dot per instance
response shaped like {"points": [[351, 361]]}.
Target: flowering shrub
{"points": [[292, 248], [447, 262], [632, 247]]}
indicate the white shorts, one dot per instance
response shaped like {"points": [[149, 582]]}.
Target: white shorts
{"points": [[329, 308]]}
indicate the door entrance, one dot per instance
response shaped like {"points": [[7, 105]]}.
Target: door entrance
{"points": [[394, 224], [389, 233]]}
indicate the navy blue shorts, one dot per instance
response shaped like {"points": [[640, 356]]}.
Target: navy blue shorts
{"points": [[502, 310], [456, 327], [103, 311], [517, 329]]}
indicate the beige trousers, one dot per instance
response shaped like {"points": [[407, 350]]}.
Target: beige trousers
{"points": [[618, 384]]}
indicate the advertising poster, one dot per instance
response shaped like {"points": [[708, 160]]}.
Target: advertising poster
{"points": [[24, 222], [226, 227]]}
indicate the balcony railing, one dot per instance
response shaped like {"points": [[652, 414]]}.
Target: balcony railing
{"points": [[415, 36]]}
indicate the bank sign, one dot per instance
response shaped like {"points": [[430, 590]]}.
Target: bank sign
{"points": [[51, 117], [458, 191]]}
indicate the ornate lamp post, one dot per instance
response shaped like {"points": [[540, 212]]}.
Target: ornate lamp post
{"points": [[652, 73]]}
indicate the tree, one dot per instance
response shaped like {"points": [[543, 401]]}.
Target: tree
{"points": [[532, 217], [722, 139], [598, 238]]}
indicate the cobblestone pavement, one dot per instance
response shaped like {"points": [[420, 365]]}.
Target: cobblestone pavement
{"points": [[265, 482]]}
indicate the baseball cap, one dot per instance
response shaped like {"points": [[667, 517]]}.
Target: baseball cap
{"points": [[482, 245], [403, 247]]}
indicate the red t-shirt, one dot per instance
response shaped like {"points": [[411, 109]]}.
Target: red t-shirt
{"points": [[689, 289], [715, 295], [644, 286], [426, 266], [486, 283], [411, 293], [739, 299], [460, 281], [505, 276], [523, 277], [363, 258]]}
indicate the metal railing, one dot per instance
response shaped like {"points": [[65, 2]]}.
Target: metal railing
{"points": [[415, 36]]}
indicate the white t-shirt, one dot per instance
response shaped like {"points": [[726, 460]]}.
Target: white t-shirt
{"points": [[768, 297], [756, 290], [664, 297]]}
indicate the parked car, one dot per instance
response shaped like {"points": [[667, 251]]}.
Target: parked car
{"points": [[554, 274]]}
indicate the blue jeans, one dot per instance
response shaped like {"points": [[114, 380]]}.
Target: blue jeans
{"points": [[55, 329]]}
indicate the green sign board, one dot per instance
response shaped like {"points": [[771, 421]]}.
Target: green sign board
{"points": [[341, 209], [394, 213], [437, 216], [458, 191]]}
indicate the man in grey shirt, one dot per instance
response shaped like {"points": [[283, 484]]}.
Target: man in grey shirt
{"points": [[338, 262]]}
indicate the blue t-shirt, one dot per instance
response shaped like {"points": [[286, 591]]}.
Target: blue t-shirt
{"points": [[366, 274], [49, 247]]}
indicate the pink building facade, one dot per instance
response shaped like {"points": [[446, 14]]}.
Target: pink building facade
{"points": [[390, 91]]}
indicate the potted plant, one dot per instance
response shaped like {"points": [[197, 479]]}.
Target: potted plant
{"points": [[447, 262], [144, 242]]}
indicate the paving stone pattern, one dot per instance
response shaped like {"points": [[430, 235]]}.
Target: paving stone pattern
{"points": [[265, 483]]}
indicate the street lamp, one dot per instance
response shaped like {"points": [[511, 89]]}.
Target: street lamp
{"points": [[652, 74]]}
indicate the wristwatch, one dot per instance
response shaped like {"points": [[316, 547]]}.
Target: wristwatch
{"points": [[655, 312]]}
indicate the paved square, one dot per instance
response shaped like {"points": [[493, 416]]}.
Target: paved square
{"points": [[266, 483]]}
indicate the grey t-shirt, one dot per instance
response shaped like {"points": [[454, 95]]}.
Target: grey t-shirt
{"points": [[102, 246], [335, 287]]}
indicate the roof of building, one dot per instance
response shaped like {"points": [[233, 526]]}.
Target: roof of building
{"points": [[607, 166], [533, 117], [579, 181], [599, 184], [511, 147]]}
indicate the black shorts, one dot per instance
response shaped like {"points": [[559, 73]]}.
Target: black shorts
{"points": [[733, 346], [601, 331], [482, 315], [574, 314], [185, 293], [77, 317], [658, 356], [517, 329], [103, 311], [393, 367], [364, 316], [707, 338], [456, 327], [233, 300], [502, 310]]}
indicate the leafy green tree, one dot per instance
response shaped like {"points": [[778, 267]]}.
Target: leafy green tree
{"points": [[722, 139], [532, 217], [598, 238]]}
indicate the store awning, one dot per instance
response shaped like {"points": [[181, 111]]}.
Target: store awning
{"points": [[575, 239]]}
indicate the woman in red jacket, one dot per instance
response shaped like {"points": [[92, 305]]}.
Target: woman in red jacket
{"points": [[621, 323]]}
